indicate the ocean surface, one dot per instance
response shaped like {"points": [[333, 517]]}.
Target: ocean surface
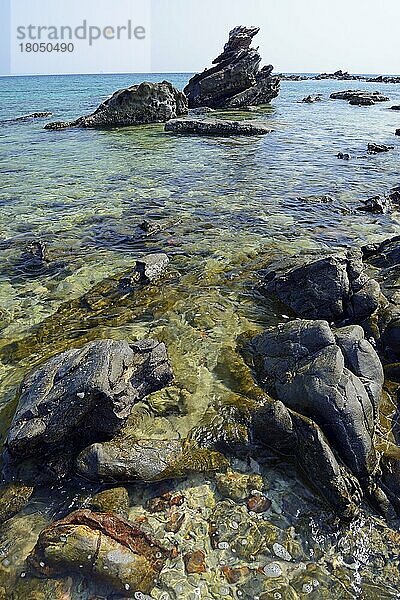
{"points": [[224, 207]]}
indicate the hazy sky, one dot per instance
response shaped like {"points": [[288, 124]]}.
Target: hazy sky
{"points": [[360, 36]]}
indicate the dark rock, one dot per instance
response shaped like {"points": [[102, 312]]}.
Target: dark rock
{"points": [[397, 132], [379, 205], [13, 498], [334, 287], [136, 105], [343, 155], [29, 117], [57, 125], [378, 148], [395, 107], [84, 395], [335, 381], [100, 546], [359, 97], [235, 81], [312, 99], [216, 127]]}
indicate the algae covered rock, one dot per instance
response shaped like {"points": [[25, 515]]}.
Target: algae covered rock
{"points": [[238, 486], [114, 500], [216, 127], [84, 394], [136, 105], [100, 546], [13, 498]]}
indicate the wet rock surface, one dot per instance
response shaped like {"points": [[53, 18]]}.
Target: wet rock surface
{"points": [[235, 81], [335, 287], [102, 546], [216, 127], [84, 394], [360, 97], [137, 105]]}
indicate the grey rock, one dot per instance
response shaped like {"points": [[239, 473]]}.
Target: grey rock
{"points": [[128, 460], [378, 148], [216, 127], [235, 79], [334, 287], [84, 395], [312, 99], [137, 105], [292, 435], [336, 382], [395, 107], [147, 269], [378, 205]]}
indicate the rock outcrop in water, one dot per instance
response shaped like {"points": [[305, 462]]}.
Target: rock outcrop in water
{"points": [[359, 97], [216, 127], [137, 105], [84, 395], [334, 287], [235, 81]]}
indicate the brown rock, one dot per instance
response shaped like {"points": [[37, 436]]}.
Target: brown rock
{"points": [[235, 575], [195, 562], [258, 503]]}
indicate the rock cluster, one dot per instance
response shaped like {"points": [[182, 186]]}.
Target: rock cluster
{"points": [[359, 97], [235, 80], [137, 105]]}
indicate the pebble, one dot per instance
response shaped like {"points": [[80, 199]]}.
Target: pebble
{"points": [[272, 570], [281, 552]]}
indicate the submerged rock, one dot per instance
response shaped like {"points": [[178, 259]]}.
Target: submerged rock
{"points": [[29, 117], [235, 81], [13, 498], [333, 378], [84, 395], [137, 105], [216, 127], [312, 99], [114, 500], [335, 287], [148, 269], [101, 546]]}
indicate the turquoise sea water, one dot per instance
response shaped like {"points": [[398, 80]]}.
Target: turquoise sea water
{"points": [[224, 205]]}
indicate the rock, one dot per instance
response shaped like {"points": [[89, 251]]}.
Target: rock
{"points": [[360, 97], [101, 546], [343, 155], [216, 127], [333, 378], [120, 460], [397, 132], [258, 503], [164, 502], [147, 270], [378, 148], [235, 80], [379, 205], [311, 99], [238, 486], [334, 287], [29, 117], [195, 562], [395, 107], [84, 395], [114, 500], [57, 125], [137, 105], [13, 498]]}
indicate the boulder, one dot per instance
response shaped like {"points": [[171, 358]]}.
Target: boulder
{"points": [[103, 547], [84, 395], [312, 99], [333, 378], [378, 205], [235, 80], [343, 155], [334, 287], [136, 105], [378, 148], [216, 127], [147, 269]]}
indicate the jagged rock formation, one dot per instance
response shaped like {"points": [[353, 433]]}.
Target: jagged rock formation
{"points": [[360, 97], [136, 105], [235, 80]]}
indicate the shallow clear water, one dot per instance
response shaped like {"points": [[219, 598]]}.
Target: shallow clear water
{"points": [[225, 207]]}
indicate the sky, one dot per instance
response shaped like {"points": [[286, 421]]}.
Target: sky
{"points": [[360, 36]]}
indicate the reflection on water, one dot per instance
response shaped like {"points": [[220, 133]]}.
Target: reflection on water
{"points": [[224, 208]]}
